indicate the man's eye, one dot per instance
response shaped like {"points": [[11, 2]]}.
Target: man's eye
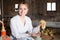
{"points": [[24, 8], [20, 8]]}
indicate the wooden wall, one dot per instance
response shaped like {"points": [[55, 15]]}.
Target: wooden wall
{"points": [[37, 11]]}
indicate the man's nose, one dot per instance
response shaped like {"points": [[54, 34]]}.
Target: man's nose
{"points": [[22, 10]]}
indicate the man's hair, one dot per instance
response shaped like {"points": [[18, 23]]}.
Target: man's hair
{"points": [[23, 3]]}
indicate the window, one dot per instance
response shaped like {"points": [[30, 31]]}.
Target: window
{"points": [[16, 7], [51, 6]]}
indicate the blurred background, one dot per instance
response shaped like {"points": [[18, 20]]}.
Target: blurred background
{"points": [[48, 10]]}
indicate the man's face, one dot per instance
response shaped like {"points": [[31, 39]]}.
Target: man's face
{"points": [[23, 9]]}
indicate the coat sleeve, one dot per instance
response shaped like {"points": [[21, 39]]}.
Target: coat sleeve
{"points": [[30, 30], [15, 31]]}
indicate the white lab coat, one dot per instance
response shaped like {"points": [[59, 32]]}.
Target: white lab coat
{"points": [[18, 30]]}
